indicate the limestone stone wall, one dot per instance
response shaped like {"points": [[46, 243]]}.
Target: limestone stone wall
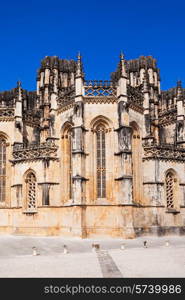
{"points": [[102, 154]]}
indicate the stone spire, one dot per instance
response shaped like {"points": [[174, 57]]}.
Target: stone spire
{"points": [[79, 90], [18, 114], [79, 72], [146, 106], [122, 82], [180, 107], [122, 66], [179, 89], [18, 105]]}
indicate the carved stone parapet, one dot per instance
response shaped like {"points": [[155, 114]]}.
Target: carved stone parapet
{"points": [[7, 114], [32, 152], [99, 88], [135, 95], [164, 152], [66, 95], [167, 117]]}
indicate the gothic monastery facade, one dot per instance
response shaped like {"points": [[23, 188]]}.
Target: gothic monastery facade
{"points": [[87, 158]]}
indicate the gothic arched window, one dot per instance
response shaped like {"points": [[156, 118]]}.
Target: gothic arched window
{"points": [[31, 191], [2, 169], [101, 161], [70, 162], [67, 160], [170, 190], [136, 162]]}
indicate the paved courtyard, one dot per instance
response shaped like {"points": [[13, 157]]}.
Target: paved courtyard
{"points": [[157, 260]]}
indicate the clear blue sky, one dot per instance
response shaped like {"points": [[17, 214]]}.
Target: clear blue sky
{"points": [[30, 30]]}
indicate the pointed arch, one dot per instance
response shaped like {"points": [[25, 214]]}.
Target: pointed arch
{"points": [[3, 173], [101, 119], [30, 183], [101, 128], [171, 185], [136, 161], [66, 146], [101, 160]]}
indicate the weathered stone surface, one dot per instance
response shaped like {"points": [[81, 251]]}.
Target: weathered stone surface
{"points": [[108, 157]]}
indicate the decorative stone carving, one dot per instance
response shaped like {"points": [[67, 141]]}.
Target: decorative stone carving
{"points": [[122, 112], [135, 95], [165, 152], [124, 138], [43, 150], [167, 117], [99, 88], [6, 114]]}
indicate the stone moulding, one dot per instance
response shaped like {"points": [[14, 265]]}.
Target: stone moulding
{"points": [[135, 107], [100, 99], [65, 106], [153, 182], [30, 212]]}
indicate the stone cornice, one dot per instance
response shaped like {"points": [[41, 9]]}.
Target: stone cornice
{"points": [[100, 99]]}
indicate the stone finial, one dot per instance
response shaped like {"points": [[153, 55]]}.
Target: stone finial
{"points": [[19, 90], [179, 83], [122, 65], [19, 84], [179, 89], [79, 65], [121, 56]]}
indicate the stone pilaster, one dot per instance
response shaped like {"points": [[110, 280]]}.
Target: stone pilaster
{"points": [[78, 156], [147, 136], [45, 105], [124, 178]]}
